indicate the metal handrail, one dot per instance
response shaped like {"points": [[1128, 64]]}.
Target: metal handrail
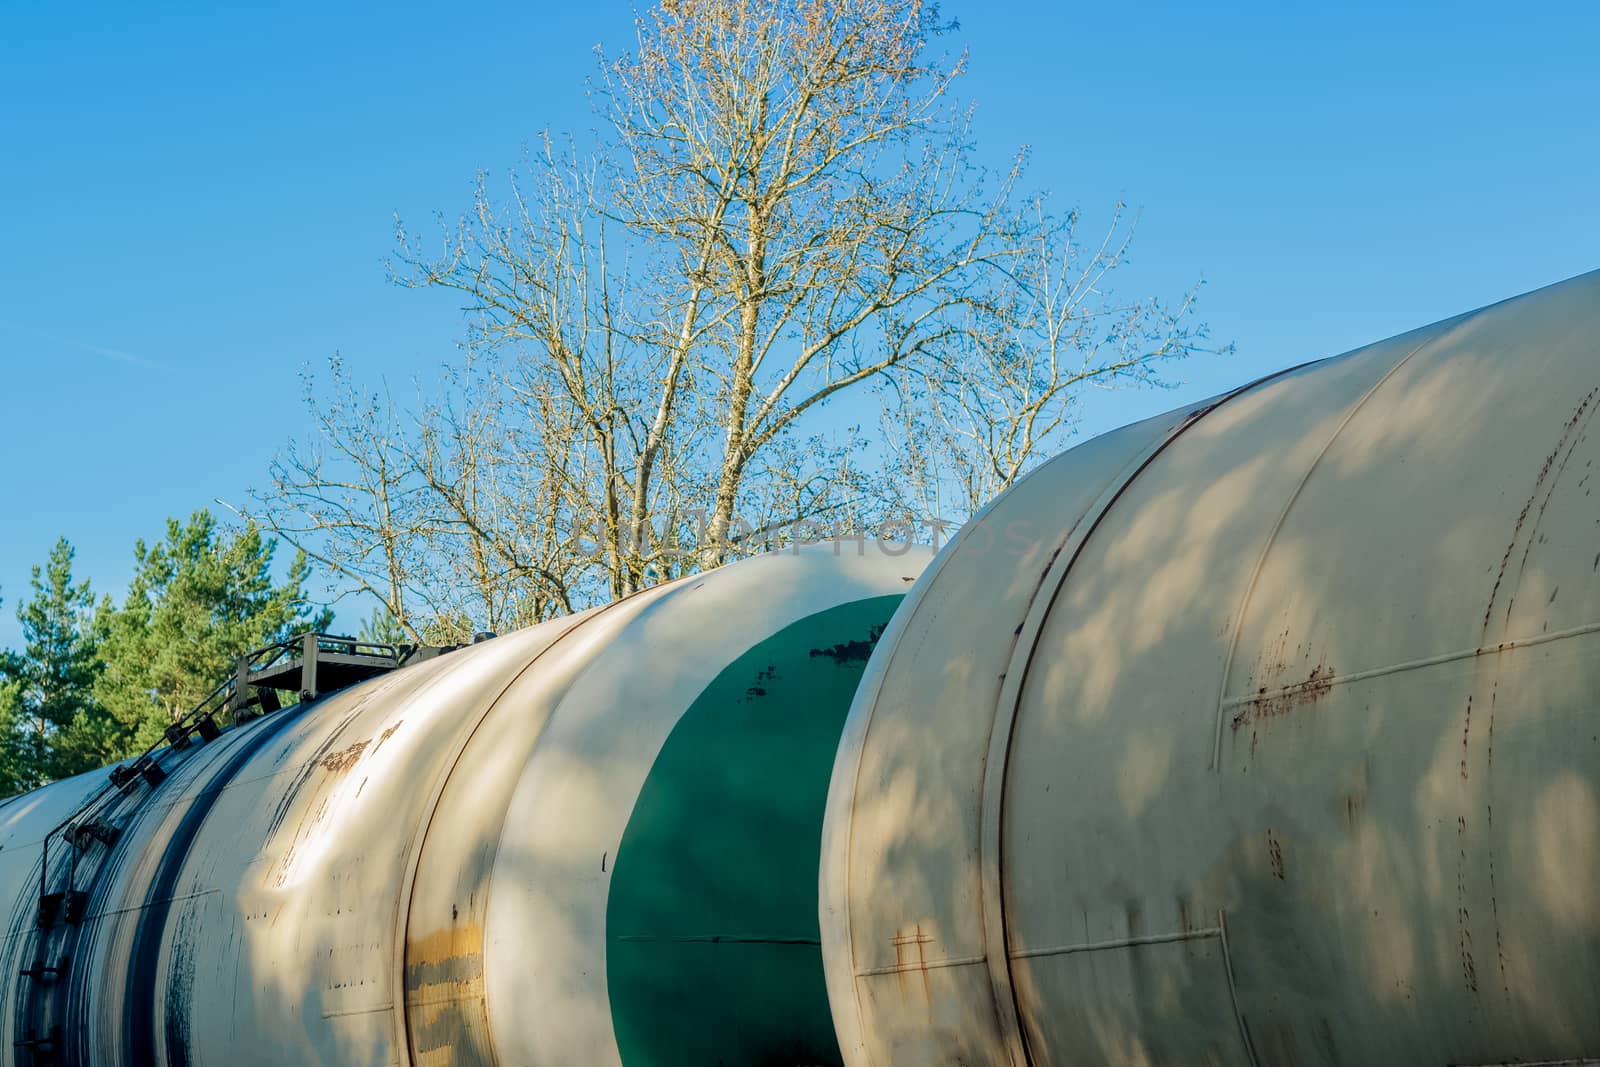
{"points": [[102, 818], [176, 736]]}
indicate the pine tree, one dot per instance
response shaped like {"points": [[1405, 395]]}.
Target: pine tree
{"points": [[382, 628], [199, 599], [16, 757], [53, 708]]}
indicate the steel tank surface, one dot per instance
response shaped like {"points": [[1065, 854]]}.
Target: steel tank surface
{"points": [[589, 842], [1264, 732]]}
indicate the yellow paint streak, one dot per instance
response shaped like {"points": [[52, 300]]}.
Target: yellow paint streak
{"points": [[431, 961], [444, 994]]}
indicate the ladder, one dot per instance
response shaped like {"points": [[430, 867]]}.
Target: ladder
{"points": [[307, 666]]}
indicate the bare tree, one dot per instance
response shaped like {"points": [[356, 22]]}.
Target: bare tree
{"points": [[1007, 392], [784, 211], [807, 166], [347, 499], [452, 517]]}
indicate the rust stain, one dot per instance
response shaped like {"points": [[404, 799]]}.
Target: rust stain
{"points": [[903, 943], [1494, 698], [342, 760], [1353, 796], [1469, 968], [1494, 895], [387, 734], [1270, 703], [1494, 906], [1275, 856], [302, 776], [1554, 464]]}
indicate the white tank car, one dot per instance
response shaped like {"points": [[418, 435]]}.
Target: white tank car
{"points": [[1263, 732], [589, 842]]}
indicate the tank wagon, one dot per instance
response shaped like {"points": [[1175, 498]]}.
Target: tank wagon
{"points": [[589, 842], [1262, 732]]}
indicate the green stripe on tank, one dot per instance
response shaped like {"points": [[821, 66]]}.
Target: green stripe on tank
{"points": [[713, 952]]}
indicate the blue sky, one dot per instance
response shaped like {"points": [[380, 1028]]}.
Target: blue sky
{"points": [[194, 205]]}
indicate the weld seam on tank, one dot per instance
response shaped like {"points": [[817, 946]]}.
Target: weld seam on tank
{"points": [[924, 965], [1233, 990], [1434, 334], [1206, 934], [1024, 646], [1426, 661], [867, 699], [403, 900]]}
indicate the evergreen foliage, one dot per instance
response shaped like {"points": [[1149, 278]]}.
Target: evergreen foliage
{"points": [[51, 679], [16, 753], [94, 683]]}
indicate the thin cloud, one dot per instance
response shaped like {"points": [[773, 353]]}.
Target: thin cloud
{"points": [[116, 355]]}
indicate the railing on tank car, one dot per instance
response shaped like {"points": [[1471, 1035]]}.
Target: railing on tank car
{"points": [[308, 665]]}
